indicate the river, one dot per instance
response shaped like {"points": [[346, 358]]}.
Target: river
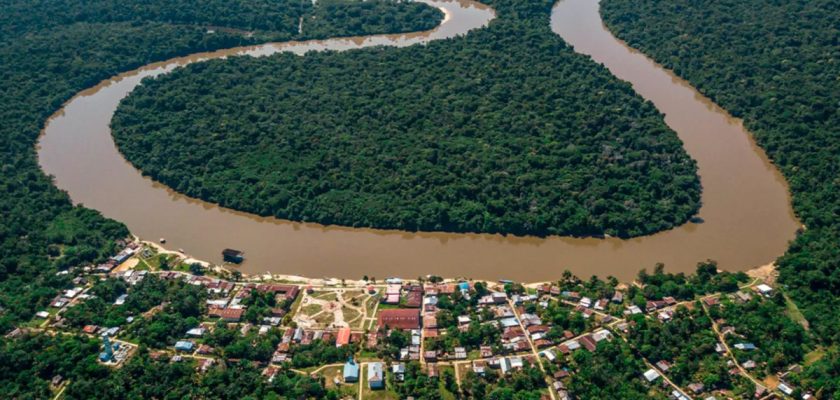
{"points": [[746, 211]]}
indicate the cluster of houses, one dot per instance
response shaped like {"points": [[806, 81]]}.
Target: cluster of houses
{"points": [[375, 372], [416, 312], [127, 252]]}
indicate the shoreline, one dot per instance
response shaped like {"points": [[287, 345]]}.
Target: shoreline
{"points": [[741, 186], [765, 272]]}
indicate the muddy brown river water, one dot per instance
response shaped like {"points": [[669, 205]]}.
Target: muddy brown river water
{"points": [[748, 220]]}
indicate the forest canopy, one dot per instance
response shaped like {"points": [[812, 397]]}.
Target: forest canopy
{"points": [[504, 130], [776, 64]]}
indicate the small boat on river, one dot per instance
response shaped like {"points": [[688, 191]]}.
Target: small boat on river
{"points": [[234, 256]]}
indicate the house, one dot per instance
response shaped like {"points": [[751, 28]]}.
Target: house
{"points": [[196, 332], [663, 365], [414, 299], [184, 345], [670, 301], [601, 305], [460, 353], [351, 371], [42, 314], [485, 351], [588, 342], [432, 370], [227, 314], [504, 365], [764, 290], [509, 322], [430, 322], [270, 372], [677, 395], [121, 299], [572, 296], [633, 310], [372, 340], [375, 375], [745, 346], [206, 363], [697, 388], [653, 305], [743, 297], [560, 374], [549, 355], [278, 312], [601, 335], [343, 337], [618, 297], [784, 388], [398, 370], [651, 375], [399, 319], [392, 294], [711, 301], [586, 302], [719, 348], [430, 356], [479, 367]]}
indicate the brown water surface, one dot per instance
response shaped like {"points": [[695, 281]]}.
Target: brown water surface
{"points": [[746, 207]]}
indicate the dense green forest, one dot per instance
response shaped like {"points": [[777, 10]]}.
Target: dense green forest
{"points": [[29, 363], [776, 65], [69, 48], [504, 130], [50, 50], [280, 19]]}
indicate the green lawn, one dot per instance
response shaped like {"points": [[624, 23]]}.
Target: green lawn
{"points": [[381, 394], [793, 312]]}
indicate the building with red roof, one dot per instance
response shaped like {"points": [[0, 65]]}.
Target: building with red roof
{"points": [[343, 337], [399, 319]]}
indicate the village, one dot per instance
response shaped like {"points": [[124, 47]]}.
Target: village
{"points": [[370, 338]]}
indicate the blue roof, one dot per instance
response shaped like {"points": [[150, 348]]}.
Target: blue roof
{"points": [[508, 322], [183, 345], [464, 286], [351, 369]]}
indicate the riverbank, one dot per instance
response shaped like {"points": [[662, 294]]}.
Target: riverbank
{"points": [[746, 213], [764, 273]]}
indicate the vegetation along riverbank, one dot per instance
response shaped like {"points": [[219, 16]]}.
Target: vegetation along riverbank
{"points": [[776, 65], [53, 49], [504, 130]]}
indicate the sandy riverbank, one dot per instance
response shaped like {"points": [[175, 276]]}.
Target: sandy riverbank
{"points": [[766, 273]]}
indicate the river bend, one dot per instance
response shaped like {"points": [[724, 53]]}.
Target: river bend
{"points": [[748, 220]]}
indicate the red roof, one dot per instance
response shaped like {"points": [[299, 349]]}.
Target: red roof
{"points": [[343, 337], [227, 314], [588, 342], [400, 318]]}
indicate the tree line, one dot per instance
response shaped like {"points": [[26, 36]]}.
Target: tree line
{"points": [[774, 64], [504, 130], [49, 51]]}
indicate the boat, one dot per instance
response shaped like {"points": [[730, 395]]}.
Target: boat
{"points": [[233, 255]]}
